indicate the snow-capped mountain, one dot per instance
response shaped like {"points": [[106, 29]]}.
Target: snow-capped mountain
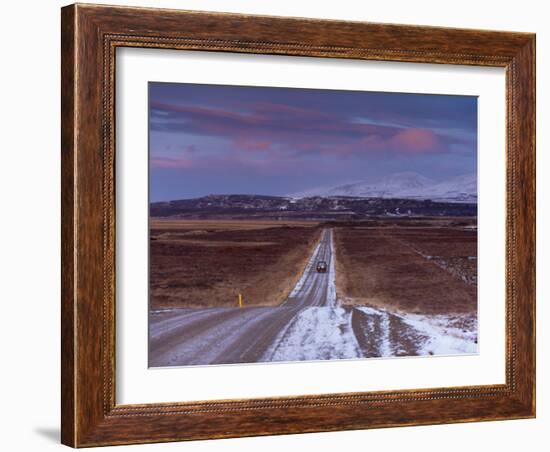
{"points": [[406, 185], [458, 189]]}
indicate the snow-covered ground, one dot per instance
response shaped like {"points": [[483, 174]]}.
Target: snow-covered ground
{"points": [[331, 290], [321, 333], [430, 334], [377, 332], [317, 333], [445, 333]]}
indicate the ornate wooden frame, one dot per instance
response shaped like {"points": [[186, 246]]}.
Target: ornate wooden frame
{"points": [[90, 36]]}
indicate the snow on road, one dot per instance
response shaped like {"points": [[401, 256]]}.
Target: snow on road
{"points": [[309, 266], [165, 324], [209, 336], [317, 333]]}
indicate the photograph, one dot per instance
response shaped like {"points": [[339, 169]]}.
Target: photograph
{"points": [[292, 224]]}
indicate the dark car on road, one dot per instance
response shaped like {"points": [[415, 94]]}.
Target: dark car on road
{"points": [[321, 267]]}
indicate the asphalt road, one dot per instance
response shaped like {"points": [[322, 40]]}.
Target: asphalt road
{"points": [[313, 289], [181, 337]]}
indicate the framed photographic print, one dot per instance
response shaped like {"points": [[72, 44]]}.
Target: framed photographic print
{"points": [[281, 225]]}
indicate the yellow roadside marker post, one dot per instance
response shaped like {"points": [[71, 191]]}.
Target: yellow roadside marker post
{"points": [[240, 300]]}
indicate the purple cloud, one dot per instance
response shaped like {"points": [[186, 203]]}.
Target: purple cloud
{"points": [[270, 126]]}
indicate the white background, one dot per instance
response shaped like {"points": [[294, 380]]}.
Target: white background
{"points": [[30, 227], [137, 384]]}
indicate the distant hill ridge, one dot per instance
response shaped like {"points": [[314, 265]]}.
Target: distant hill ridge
{"points": [[318, 207]]}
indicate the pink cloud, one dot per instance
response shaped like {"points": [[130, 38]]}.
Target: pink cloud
{"points": [[246, 144], [416, 141], [407, 141]]}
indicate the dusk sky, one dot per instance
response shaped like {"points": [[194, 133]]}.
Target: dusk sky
{"points": [[209, 139]]}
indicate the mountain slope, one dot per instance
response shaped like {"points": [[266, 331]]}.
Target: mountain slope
{"points": [[406, 185]]}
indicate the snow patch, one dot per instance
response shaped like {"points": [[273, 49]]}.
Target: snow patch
{"points": [[331, 290], [444, 334], [385, 348], [317, 333], [446, 337]]}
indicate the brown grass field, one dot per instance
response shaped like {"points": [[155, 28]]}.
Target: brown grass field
{"points": [[207, 263], [424, 268]]}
